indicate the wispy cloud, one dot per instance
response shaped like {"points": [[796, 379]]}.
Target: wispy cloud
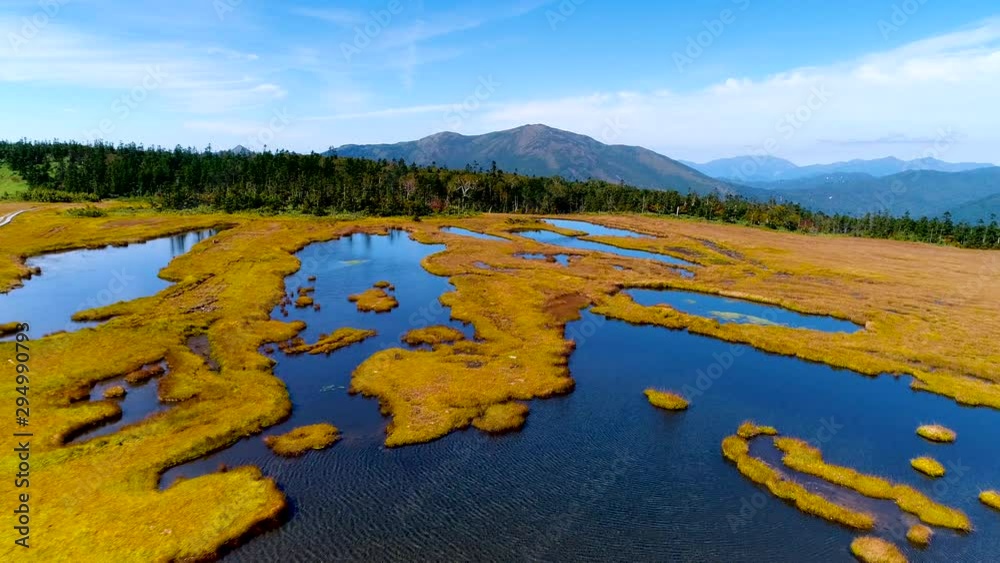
{"points": [[337, 16], [193, 79]]}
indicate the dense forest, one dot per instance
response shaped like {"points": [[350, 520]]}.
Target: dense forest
{"points": [[312, 183]]}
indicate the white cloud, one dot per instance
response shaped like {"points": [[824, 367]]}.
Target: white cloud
{"points": [[944, 85], [190, 79]]}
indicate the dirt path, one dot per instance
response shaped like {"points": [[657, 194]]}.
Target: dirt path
{"points": [[4, 219]]}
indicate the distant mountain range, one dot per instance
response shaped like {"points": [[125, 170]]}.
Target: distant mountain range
{"points": [[970, 191], [919, 192], [539, 150], [755, 169]]}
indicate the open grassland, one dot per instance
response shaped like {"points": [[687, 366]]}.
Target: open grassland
{"points": [[10, 183], [931, 312], [800, 456], [433, 335]]}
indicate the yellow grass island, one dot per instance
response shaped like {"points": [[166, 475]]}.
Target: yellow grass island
{"points": [[667, 400], [870, 549], [303, 439]]}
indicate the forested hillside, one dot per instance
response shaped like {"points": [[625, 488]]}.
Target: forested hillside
{"points": [[312, 183]]}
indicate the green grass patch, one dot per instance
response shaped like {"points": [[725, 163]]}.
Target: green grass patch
{"points": [[10, 183]]}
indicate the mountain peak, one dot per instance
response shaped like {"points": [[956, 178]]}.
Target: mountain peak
{"points": [[540, 150]]}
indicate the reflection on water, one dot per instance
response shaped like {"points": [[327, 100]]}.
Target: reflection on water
{"points": [[562, 259], [468, 233], [593, 229], [84, 279], [555, 239], [730, 310]]}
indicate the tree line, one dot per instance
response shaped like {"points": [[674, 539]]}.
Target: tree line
{"points": [[278, 182]]}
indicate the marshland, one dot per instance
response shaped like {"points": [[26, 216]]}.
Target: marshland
{"points": [[499, 412]]}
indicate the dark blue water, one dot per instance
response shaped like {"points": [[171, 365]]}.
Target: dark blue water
{"points": [[468, 233], [729, 310], [140, 402], [598, 474], [593, 229], [555, 239], [84, 279]]}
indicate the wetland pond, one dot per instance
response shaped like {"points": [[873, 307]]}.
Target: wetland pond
{"points": [[77, 280], [556, 239], [731, 310], [598, 474], [595, 475]]}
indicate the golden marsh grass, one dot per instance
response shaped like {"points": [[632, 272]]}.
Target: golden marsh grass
{"points": [[990, 499], [666, 400], [303, 439], [928, 466], [433, 335], [937, 433], [226, 288], [737, 450], [870, 549], [920, 535], [802, 457]]}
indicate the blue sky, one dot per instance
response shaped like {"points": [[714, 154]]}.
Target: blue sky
{"points": [[813, 81]]}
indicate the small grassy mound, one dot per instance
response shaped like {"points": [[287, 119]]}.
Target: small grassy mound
{"points": [[304, 301], [870, 549], [750, 429], [375, 299], [303, 439], [919, 534], [382, 284], [6, 329], [928, 466], [800, 456], [737, 450], [328, 343], [505, 417], [937, 433], [116, 392], [144, 374], [990, 499], [433, 335], [666, 400]]}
